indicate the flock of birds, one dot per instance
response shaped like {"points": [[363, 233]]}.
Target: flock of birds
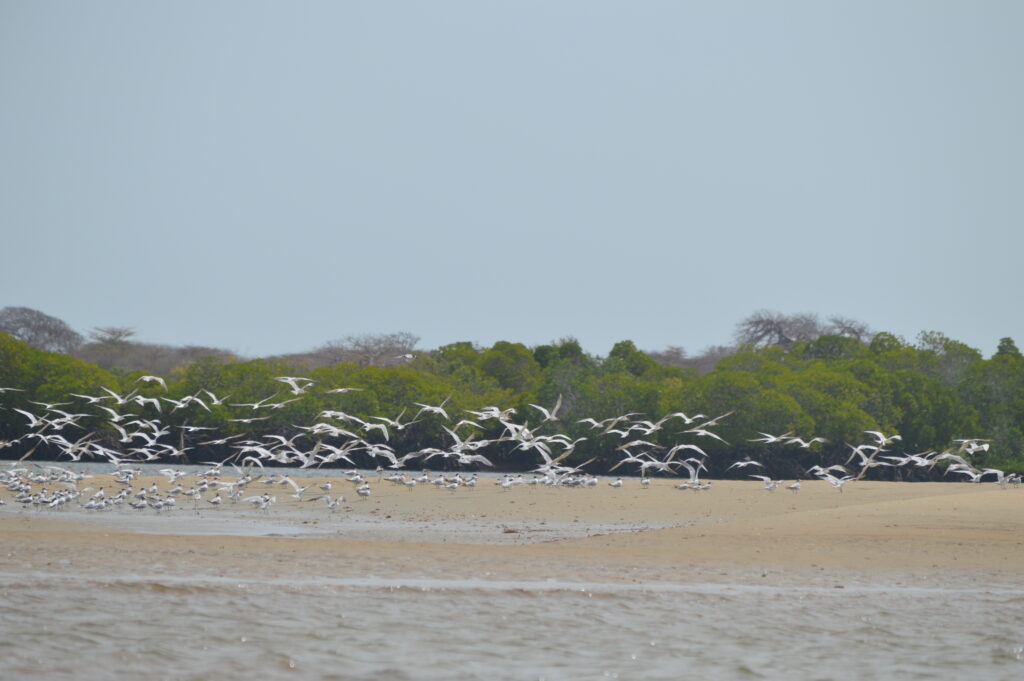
{"points": [[113, 432]]}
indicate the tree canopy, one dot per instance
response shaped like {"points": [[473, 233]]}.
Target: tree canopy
{"points": [[790, 373], [830, 386]]}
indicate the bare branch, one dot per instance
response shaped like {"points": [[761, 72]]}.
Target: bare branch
{"points": [[369, 349], [851, 328], [39, 330]]}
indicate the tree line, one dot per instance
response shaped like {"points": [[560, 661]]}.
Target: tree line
{"points": [[785, 373]]}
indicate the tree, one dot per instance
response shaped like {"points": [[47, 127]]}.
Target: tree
{"points": [[110, 346], [707, 360], [885, 342], [673, 355], [850, 328], [832, 347], [764, 328], [945, 358], [39, 330], [512, 365], [1007, 348], [112, 335], [455, 355], [565, 349], [635, 362], [371, 349]]}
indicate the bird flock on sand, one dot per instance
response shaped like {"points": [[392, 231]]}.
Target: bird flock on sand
{"points": [[126, 429]]}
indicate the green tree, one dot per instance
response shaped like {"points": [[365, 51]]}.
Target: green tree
{"points": [[1007, 348], [512, 365]]}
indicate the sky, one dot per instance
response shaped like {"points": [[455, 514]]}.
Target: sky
{"points": [[266, 177]]}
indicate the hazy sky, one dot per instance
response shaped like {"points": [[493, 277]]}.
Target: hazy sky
{"points": [[268, 176]]}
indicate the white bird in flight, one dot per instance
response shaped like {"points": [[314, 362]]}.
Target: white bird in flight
{"points": [[152, 379], [549, 415]]}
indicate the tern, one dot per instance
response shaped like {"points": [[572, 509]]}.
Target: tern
{"points": [[770, 439], [744, 464], [549, 415], [255, 405], [426, 408], [769, 484], [714, 421], [883, 440], [152, 379], [331, 503], [297, 388], [806, 444], [705, 433]]}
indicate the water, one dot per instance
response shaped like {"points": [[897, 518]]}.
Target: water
{"points": [[97, 467], [59, 627]]}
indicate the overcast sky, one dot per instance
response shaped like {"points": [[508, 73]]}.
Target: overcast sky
{"points": [[269, 176]]}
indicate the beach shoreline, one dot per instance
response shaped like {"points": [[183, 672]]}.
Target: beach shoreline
{"points": [[913, 534]]}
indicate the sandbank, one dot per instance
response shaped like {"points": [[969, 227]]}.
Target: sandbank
{"points": [[928, 534]]}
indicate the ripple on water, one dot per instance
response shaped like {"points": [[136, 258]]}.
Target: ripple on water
{"points": [[63, 628]]}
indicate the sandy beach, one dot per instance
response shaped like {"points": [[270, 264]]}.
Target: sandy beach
{"points": [[874, 531], [883, 580]]}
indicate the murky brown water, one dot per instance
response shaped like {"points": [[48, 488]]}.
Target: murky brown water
{"points": [[59, 627]]}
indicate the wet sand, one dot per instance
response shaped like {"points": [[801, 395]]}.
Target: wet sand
{"points": [[893, 533]]}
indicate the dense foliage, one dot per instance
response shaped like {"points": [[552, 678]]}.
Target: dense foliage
{"points": [[835, 387]]}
